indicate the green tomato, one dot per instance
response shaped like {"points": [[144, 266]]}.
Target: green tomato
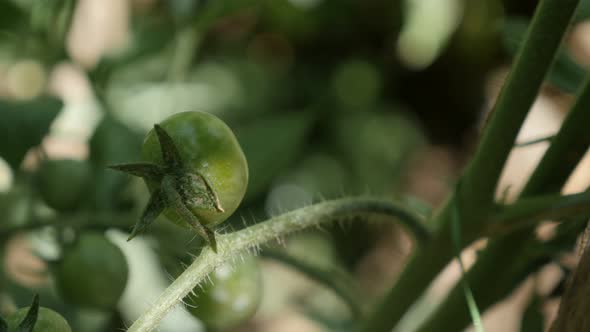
{"points": [[232, 296], [47, 321], [62, 183], [92, 273], [208, 146]]}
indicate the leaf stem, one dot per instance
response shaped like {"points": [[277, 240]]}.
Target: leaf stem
{"points": [[233, 244]]}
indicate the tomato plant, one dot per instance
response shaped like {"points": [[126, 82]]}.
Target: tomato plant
{"points": [[330, 101], [195, 169], [92, 272], [232, 296]]}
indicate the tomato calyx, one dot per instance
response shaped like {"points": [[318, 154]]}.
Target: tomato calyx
{"points": [[180, 188]]}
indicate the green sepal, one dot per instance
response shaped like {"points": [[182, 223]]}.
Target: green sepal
{"points": [[147, 171], [28, 323], [176, 202], [170, 154], [205, 195], [153, 209], [173, 180]]}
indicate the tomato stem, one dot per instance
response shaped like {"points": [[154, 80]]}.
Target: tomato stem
{"points": [[230, 246]]}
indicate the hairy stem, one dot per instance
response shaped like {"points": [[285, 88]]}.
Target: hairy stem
{"points": [[233, 244]]}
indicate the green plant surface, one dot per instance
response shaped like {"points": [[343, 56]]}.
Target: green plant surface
{"points": [[481, 176], [572, 141], [101, 267], [325, 110], [233, 244], [23, 125]]}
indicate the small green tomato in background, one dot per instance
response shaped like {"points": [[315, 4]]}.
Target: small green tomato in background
{"points": [[62, 183], [195, 170], [47, 321], [92, 273], [232, 296], [37, 319]]}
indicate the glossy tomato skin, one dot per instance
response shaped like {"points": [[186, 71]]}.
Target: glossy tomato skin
{"points": [[92, 273], [231, 298], [47, 321], [207, 145]]}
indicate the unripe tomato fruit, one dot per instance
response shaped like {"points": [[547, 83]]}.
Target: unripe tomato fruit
{"points": [[92, 273], [232, 296], [47, 321], [207, 145], [196, 172], [63, 182]]}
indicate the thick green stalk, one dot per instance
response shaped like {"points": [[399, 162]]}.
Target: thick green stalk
{"points": [[543, 38], [231, 246], [506, 258], [479, 182], [417, 275]]}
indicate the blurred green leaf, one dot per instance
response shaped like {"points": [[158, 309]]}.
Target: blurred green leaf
{"points": [[149, 36], [329, 324], [10, 15], [213, 10], [377, 145], [271, 144], [320, 174], [583, 11], [565, 73], [23, 125], [112, 143], [533, 318], [15, 205]]}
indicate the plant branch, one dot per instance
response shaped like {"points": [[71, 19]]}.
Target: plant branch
{"points": [[529, 211], [565, 152], [480, 179], [233, 244], [333, 278], [541, 43]]}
